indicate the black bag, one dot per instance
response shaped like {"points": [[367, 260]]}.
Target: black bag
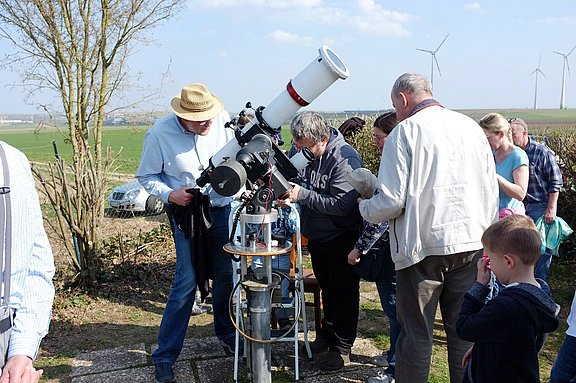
{"points": [[372, 265]]}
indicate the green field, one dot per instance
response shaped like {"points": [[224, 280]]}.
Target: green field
{"points": [[127, 141]]}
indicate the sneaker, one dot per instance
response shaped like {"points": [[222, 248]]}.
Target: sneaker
{"points": [[381, 378], [228, 346], [164, 373], [381, 360], [199, 309], [335, 361], [319, 345]]}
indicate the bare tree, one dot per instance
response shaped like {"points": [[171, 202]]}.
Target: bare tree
{"points": [[79, 48]]}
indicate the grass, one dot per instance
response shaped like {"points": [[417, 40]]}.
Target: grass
{"points": [[128, 308], [127, 140]]}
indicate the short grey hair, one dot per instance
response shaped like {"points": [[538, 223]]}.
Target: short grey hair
{"points": [[309, 125], [412, 83]]}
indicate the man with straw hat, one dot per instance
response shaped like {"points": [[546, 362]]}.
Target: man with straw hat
{"points": [[176, 150]]}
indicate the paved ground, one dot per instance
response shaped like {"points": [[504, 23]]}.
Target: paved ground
{"points": [[204, 361]]}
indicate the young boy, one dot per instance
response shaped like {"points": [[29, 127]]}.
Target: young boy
{"points": [[508, 330]]}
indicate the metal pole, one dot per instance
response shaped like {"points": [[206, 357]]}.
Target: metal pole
{"points": [[260, 307]]}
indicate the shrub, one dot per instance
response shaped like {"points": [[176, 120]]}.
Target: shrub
{"points": [[362, 142], [563, 143]]}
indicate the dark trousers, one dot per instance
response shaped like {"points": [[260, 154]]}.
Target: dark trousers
{"points": [[442, 279], [340, 290]]}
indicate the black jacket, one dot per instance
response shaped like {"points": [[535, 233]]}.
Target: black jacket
{"points": [[327, 201], [195, 221], [507, 331]]}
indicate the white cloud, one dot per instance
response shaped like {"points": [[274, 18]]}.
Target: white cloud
{"points": [[473, 7], [290, 38], [338, 41], [367, 17]]}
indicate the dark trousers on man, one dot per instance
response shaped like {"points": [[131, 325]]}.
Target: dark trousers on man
{"points": [[340, 290], [420, 288]]}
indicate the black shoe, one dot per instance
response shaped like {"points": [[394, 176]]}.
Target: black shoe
{"points": [[164, 373], [318, 346], [284, 324], [228, 346], [335, 361]]}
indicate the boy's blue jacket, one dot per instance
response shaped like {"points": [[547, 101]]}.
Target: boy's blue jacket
{"points": [[507, 331]]}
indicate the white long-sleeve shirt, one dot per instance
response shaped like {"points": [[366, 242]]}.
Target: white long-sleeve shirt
{"points": [[173, 158], [32, 262], [437, 187]]}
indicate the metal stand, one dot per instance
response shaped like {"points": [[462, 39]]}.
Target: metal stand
{"points": [[256, 304]]}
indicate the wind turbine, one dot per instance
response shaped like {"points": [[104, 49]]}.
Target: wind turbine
{"points": [[564, 66], [433, 58], [537, 71]]}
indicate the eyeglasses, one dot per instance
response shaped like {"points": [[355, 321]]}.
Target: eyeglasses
{"points": [[378, 138], [302, 145], [519, 123]]}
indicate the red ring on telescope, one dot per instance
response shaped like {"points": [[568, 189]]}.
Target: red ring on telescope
{"points": [[295, 96]]}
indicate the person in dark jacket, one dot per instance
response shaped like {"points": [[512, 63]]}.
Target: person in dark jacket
{"points": [[331, 221], [507, 331]]}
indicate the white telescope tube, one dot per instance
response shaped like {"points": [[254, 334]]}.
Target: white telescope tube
{"points": [[311, 82], [306, 86]]}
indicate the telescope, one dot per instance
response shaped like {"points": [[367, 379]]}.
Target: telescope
{"points": [[253, 159]]}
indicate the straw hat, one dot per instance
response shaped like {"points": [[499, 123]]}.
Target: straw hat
{"points": [[196, 103]]}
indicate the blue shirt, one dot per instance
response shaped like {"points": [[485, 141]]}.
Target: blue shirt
{"points": [[545, 175], [506, 168], [31, 290], [173, 158]]}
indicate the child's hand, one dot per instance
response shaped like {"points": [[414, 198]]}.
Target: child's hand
{"points": [[483, 275]]}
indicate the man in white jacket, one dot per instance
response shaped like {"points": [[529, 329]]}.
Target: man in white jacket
{"points": [[438, 190]]}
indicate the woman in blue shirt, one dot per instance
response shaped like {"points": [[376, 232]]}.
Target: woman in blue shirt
{"points": [[511, 164]]}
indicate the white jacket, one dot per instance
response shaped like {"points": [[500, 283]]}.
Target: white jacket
{"points": [[438, 186]]}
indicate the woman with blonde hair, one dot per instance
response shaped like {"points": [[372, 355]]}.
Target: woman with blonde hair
{"points": [[511, 164]]}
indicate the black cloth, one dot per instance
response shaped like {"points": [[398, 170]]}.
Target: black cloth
{"points": [[195, 221], [351, 126], [507, 331], [340, 290]]}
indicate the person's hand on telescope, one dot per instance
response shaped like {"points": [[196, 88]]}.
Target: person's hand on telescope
{"points": [[293, 195], [181, 196]]}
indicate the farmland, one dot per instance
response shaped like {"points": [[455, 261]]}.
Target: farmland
{"points": [[126, 141]]}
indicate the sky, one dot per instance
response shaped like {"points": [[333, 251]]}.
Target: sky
{"points": [[248, 50]]}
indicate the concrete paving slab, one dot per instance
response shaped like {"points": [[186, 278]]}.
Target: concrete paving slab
{"points": [[218, 370], [199, 348], [183, 371], [205, 357], [111, 359]]}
